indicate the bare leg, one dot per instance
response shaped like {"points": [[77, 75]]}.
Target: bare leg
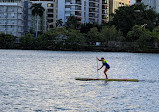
{"points": [[105, 72]]}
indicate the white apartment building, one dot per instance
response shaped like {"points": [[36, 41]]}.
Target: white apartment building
{"points": [[12, 17], [152, 4], [89, 11], [49, 17]]}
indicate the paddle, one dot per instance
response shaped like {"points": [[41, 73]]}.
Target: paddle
{"points": [[97, 68]]}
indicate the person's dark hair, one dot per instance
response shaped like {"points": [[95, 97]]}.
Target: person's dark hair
{"points": [[102, 58]]}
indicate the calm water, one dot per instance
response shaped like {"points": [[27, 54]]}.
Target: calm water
{"points": [[43, 81]]}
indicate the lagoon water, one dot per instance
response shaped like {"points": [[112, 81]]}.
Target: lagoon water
{"points": [[44, 81]]}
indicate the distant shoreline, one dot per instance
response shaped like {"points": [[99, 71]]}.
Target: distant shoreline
{"points": [[94, 50]]}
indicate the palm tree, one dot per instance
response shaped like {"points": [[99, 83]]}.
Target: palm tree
{"points": [[59, 23], [73, 22], [37, 11]]}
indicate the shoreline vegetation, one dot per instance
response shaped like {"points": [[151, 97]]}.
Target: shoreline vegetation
{"points": [[132, 29]]}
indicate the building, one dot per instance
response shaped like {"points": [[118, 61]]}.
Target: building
{"points": [[152, 4], [132, 2], [27, 15], [50, 15], [105, 11], [90, 11], [12, 15], [114, 4]]}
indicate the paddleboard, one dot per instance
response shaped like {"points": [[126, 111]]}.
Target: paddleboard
{"points": [[92, 79]]}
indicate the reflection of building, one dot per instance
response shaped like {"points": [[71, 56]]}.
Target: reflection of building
{"points": [[12, 16], [114, 4], [89, 11], [50, 15], [152, 4]]}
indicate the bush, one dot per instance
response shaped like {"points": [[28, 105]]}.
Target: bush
{"points": [[93, 35], [51, 38], [7, 41], [27, 42], [111, 34], [75, 40]]}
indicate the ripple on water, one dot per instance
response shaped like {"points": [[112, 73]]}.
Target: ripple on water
{"points": [[43, 81]]}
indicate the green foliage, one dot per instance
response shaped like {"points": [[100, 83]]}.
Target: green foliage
{"points": [[128, 16], [147, 40], [110, 34], [37, 9], [27, 42], [73, 22], [59, 23], [85, 28], [50, 39], [7, 41], [144, 38], [135, 33], [75, 40], [93, 35]]}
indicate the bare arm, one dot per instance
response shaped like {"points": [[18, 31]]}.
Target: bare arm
{"points": [[98, 59], [101, 67]]}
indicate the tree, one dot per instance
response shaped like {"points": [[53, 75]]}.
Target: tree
{"points": [[135, 33], [37, 11], [27, 42], [75, 40], [93, 36], [144, 38], [156, 31], [51, 38], [7, 41], [85, 28], [73, 22], [128, 16], [111, 34], [59, 23], [147, 40]]}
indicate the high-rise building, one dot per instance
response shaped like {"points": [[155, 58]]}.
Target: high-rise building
{"points": [[105, 11], [132, 2], [152, 4], [27, 15], [90, 11], [114, 4], [49, 17], [12, 15]]}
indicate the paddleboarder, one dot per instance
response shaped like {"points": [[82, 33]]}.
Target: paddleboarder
{"points": [[105, 63]]}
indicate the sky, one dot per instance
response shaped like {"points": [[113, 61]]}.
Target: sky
{"points": [[132, 2]]}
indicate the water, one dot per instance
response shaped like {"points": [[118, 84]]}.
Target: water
{"points": [[44, 81]]}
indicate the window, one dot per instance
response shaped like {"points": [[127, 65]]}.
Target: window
{"points": [[50, 10], [50, 15]]}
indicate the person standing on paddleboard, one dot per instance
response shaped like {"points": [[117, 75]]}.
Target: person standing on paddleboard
{"points": [[105, 63]]}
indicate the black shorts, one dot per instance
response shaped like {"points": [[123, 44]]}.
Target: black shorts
{"points": [[107, 66]]}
